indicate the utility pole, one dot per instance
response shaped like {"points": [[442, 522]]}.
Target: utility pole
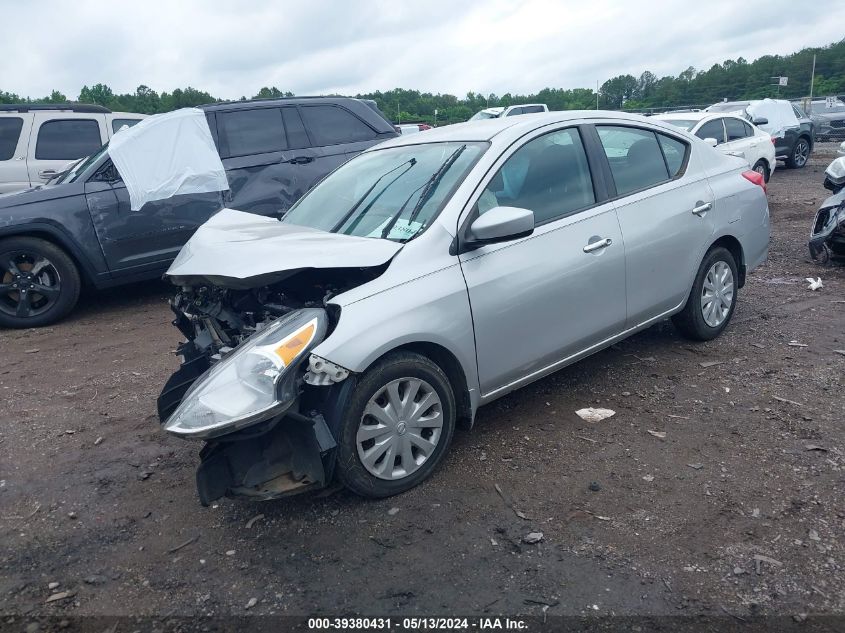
{"points": [[597, 94], [398, 114], [812, 79]]}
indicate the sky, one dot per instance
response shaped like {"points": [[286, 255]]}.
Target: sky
{"points": [[234, 47]]}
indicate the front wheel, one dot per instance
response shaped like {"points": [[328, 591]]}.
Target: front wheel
{"points": [[800, 154], [396, 427], [712, 300], [39, 283]]}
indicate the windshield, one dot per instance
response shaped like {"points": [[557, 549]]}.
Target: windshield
{"points": [[728, 107], [393, 193], [79, 168], [685, 124], [478, 116]]}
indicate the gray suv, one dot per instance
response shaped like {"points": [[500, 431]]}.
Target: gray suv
{"points": [[81, 229]]}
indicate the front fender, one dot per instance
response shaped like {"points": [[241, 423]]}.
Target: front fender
{"points": [[430, 309]]}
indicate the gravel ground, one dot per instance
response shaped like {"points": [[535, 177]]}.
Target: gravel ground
{"points": [[716, 488]]}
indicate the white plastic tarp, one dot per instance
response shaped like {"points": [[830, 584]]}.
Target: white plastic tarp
{"points": [[779, 113], [166, 155]]}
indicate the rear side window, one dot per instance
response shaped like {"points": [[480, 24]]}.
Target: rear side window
{"points": [[712, 129], [67, 139], [532, 109], [675, 152], [297, 137], [10, 131], [330, 125], [247, 132], [749, 131], [735, 129], [636, 160], [116, 124]]}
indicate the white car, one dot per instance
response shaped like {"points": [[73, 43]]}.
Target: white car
{"points": [[731, 134], [498, 113], [40, 141]]}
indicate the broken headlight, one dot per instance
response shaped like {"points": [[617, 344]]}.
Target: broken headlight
{"points": [[252, 383]]}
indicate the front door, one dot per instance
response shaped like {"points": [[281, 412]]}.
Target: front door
{"points": [[14, 136], [150, 238], [538, 300]]}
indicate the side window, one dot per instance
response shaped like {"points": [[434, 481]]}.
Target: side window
{"points": [[116, 124], [675, 153], [548, 175], [798, 112], [516, 111], [712, 129], [330, 125], [636, 160], [532, 109], [10, 131], [297, 137], [247, 132], [67, 139], [749, 131], [735, 129]]}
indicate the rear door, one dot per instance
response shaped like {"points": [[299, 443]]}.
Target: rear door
{"points": [[664, 204], [14, 135], [740, 140], [57, 139]]}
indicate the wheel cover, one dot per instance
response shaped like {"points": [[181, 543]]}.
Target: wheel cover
{"points": [[29, 284], [400, 428], [802, 152], [717, 294], [760, 169]]}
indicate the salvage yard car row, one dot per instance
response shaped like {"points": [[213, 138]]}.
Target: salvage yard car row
{"points": [[343, 329]]}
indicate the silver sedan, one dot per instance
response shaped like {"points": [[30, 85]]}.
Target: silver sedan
{"points": [[435, 273]]}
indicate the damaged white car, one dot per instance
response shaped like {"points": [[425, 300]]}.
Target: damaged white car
{"points": [[435, 273]]}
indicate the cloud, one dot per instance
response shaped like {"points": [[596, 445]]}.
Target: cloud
{"points": [[233, 48]]}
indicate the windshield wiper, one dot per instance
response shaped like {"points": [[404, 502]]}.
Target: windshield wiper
{"points": [[427, 191], [360, 201]]}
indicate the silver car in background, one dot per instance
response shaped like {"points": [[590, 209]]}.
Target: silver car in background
{"points": [[435, 273]]}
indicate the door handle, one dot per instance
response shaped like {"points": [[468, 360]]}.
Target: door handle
{"points": [[47, 173], [301, 160], [598, 244], [701, 208], [735, 153]]}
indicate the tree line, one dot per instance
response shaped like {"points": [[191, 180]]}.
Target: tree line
{"points": [[732, 79]]}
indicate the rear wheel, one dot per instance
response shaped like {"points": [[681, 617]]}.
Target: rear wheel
{"points": [[762, 168], [712, 300], [800, 153], [396, 427], [39, 283]]}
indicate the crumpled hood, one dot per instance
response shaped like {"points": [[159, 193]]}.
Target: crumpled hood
{"points": [[237, 249]]}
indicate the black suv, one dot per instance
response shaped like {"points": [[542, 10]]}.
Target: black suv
{"points": [[56, 237]]}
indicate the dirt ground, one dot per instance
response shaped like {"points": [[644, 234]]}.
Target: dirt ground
{"points": [[94, 497]]}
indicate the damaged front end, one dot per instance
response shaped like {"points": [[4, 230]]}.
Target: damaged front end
{"points": [[249, 384], [827, 238]]}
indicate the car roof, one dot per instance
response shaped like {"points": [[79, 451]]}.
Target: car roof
{"points": [[239, 105], [487, 129]]}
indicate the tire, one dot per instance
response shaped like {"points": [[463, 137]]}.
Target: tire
{"points": [[393, 369], [762, 167], [799, 154], [692, 320], [56, 275]]}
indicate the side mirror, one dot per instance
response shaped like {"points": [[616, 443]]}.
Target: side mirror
{"points": [[501, 224], [760, 121], [712, 142]]}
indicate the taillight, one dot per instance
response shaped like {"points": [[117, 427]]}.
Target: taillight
{"points": [[774, 141], [424, 126], [756, 178]]}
